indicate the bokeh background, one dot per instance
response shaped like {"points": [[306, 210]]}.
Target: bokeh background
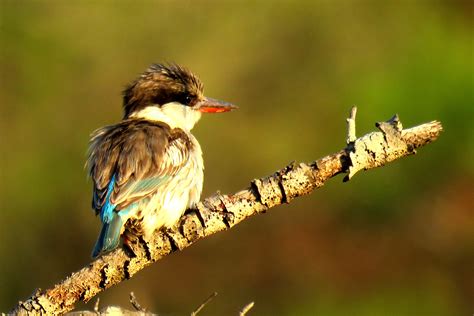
{"points": [[398, 240]]}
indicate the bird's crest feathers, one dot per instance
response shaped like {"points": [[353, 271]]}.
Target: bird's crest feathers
{"points": [[161, 84]]}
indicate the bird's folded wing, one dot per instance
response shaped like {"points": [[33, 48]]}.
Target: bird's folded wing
{"points": [[130, 160]]}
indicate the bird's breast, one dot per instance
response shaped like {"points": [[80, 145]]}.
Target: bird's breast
{"points": [[197, 170], [178, 193]]}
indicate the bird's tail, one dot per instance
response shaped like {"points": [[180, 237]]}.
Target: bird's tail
{"points": [[109, 237]]}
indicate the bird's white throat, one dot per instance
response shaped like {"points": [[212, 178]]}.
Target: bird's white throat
{"points": [[175, 114]]}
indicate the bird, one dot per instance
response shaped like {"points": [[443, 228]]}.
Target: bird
{"points": [[148, 168]]}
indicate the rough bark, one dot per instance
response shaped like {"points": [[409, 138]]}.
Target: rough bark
{"points": [[221, 211]]}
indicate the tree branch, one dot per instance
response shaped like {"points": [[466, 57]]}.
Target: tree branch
{"points": [[221, 212]]}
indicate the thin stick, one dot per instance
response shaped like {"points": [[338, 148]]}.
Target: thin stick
{"points": [[246, 308], [135, 304], [351, 126], [197, 310]]}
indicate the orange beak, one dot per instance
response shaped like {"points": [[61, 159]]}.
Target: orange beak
{"points": [[209, 105]]}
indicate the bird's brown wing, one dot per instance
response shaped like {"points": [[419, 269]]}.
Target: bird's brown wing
{"points": [[128, 161]]}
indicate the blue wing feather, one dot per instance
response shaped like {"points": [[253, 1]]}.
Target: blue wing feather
{"points": [[109, 236], [138, 189], [107, 210], [112, 220]]}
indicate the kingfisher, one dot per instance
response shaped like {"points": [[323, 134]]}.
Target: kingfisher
{"points": [[148, 168]]}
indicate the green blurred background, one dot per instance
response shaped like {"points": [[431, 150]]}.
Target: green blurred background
{"points": [[398, 240]]}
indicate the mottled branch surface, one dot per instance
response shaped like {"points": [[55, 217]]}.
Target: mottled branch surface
{"points": [[221, 212]]}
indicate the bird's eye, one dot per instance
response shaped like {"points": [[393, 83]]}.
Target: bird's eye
{"points": [[187, 99]]}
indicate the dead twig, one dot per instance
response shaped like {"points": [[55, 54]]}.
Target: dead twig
{"points": [[200, 307], [246, 308]]}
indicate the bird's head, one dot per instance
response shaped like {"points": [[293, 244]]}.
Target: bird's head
{"points": [[170, 94]]}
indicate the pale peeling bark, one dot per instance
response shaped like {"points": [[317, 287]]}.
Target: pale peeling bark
{"points": [[221, 212]]}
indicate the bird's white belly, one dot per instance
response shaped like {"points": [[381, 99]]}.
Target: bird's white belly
{"points": [[173, 197]]}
